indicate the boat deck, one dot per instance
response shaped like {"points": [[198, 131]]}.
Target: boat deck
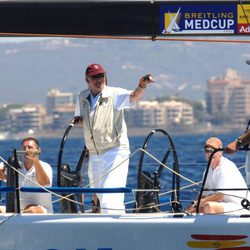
{"points": [[127, 231]]}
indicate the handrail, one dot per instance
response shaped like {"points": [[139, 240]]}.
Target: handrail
{"points": [[76, 190]]}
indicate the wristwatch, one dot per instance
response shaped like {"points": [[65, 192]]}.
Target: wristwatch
{"points": [[239, 143], [194, 204]]}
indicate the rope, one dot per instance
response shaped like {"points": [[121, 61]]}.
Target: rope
{"points": [[168, 168], [37, 184], [51, 189], [126, 159], [54, 190], [139, 38]]}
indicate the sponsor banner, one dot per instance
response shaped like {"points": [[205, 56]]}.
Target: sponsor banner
{"points": [[204, 19], [243, 19]]}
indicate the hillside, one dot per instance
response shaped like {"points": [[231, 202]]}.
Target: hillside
{"points": [[29, 69]]}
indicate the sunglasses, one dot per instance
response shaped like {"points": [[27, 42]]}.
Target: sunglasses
{"points": [[209, 150], [97, 76]]}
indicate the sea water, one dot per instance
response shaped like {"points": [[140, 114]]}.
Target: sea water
{"points": [[189, 154]]}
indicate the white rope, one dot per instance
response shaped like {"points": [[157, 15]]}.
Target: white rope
{"points": [[168, 168], [133, 190]]}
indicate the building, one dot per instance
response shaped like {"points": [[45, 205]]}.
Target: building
{"points": [[62, 116], [160, 114], [27, 118], [146, 114], [178, 113], [56, 99], [3, 115], [228, 99], [60, 108]]}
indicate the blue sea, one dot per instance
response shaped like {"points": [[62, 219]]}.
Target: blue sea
{"points": [[189, 154]]}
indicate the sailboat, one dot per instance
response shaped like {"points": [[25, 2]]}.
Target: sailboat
{"points": [[147, 227]]}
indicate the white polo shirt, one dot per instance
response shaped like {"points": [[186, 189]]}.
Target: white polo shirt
{"points": [[28, 179]]}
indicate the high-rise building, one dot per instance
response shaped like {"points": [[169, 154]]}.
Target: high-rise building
{"points": [[228, 99]]}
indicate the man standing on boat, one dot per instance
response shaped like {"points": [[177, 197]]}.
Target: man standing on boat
{"points": [[101, 111], [222, 174], [33, 171]]}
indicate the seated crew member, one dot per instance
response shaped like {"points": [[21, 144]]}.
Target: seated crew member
{"points": [[222, 174], [34, 171]]}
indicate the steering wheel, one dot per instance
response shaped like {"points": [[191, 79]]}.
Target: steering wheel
{"points": [[148, 201]]}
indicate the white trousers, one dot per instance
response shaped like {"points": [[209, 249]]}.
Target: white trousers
{"points": [[110, 170]]}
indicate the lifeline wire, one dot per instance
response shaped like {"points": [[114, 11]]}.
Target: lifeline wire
{"points": [[134, 190]]}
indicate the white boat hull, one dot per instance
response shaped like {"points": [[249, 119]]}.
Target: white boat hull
{"points": [[112, 232]]}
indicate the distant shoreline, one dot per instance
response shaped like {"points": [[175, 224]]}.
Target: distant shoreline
{"points": [[77, 132]]}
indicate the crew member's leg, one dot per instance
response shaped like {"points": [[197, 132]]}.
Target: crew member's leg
{"points": [[110, 170]]}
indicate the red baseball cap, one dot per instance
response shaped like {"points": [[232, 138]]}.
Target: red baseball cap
{"points": [[94, 69]]}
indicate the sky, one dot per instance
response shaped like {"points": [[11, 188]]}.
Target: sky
{"points": [[21, 39]]}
